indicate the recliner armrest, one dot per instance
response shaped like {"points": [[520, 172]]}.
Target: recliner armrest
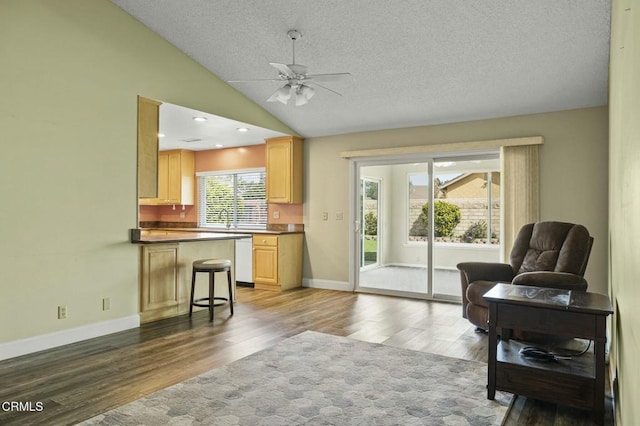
{"points": [[560, 280], [486, 271]]}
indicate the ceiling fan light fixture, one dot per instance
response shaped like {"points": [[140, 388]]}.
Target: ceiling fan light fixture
{"points": [[303, 94], [307, 91], [281, 95]]}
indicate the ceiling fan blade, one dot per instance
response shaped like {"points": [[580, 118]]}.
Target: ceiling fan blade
{"points": [[298, 69], [324, 87], [329, 77], [283, 69]]}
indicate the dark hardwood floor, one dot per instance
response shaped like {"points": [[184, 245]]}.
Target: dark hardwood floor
{"points": [[79, 381]]}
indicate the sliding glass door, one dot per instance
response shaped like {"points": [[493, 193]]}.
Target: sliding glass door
{"points": [[467, 218], [401, 235], [434, 214]]}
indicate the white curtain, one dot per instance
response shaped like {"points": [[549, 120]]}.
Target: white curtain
{"points": [[520, 191]]}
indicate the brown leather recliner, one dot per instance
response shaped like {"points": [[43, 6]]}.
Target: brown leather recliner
{"points": [[544, 254]]}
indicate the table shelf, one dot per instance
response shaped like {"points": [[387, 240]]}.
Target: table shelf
{"points": [[582, 365]]}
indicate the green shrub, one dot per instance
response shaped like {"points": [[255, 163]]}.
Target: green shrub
{"points": [[475, 230], [370, 224], [447, 217]]}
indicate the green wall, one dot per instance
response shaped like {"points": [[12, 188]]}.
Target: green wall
{"points": [[624, 204], [69, 77]]}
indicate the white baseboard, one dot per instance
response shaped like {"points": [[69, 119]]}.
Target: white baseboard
{"points": [[326, 284], [64, 337]]}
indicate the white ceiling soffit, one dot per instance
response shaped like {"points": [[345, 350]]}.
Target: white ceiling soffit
{"points": [[413, 62], [179, 130]]}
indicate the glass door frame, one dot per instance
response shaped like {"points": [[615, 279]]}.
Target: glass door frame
{"points": [[378, 182]]}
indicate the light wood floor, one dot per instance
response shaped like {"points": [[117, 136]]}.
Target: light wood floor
{"points": [[78, 381]]}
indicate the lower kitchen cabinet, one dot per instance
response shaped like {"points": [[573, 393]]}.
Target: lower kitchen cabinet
{"points": [[277, 261], [159, 285]]}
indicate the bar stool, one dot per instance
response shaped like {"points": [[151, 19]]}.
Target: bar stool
{"points": [[210, 266]]}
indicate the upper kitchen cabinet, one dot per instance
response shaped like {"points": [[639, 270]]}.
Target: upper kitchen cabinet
{"points": [[148, 123], [284, 170], [176, 178]]}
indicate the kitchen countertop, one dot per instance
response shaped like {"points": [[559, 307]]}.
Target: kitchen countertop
{"points": [[177, 235], [234, 231]]}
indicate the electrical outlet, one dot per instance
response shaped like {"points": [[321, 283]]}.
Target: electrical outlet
{"points": [[183, 215], [339, 216], [325, 216], [276, 214], [106, 304], [62, 312]]}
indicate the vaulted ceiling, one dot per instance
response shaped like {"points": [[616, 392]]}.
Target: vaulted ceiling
{"points": [[412, 62]]}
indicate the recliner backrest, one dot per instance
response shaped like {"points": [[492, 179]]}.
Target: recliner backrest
{"points": [[551, 246]]}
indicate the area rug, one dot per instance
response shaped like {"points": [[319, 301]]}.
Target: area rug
{"points": [[319, 379]]}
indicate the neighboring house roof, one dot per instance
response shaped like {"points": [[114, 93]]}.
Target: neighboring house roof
{"points": [[444, 186]]}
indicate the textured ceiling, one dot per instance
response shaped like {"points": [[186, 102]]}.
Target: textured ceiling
{"points": [[413, 62]]}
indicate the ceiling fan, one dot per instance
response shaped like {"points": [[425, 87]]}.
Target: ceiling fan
{"points": [[298, 84]]}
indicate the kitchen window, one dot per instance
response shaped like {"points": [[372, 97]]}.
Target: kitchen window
{"points": [[232, 199]]}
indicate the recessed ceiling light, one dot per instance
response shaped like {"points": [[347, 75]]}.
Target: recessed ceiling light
{"points": [[199, 118], [161, 135], [242, 129], [219, 145]]}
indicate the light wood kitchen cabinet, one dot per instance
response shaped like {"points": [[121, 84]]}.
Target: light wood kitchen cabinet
{"points": [[284, 158], [159, 286], [148, 125], [277, 261], [176, 178]]}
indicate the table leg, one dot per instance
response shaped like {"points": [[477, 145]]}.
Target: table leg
{"points": [[492, 353], [599, 353]]}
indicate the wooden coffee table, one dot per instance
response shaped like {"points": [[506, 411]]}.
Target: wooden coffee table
{"points": [[578, 382]]}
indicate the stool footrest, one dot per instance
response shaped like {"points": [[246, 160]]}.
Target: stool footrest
{"points": [[198, 302]]}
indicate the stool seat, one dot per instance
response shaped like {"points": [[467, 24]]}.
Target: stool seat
{"points": [[210, 266]]}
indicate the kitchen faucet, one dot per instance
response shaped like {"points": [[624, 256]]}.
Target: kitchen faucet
{"points": [[228, 221]]}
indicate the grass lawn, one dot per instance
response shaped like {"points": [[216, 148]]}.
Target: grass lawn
{"points": [[370, 251]]}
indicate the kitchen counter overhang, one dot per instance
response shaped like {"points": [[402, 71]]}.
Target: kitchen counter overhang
{"points": [[180, 236]]}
